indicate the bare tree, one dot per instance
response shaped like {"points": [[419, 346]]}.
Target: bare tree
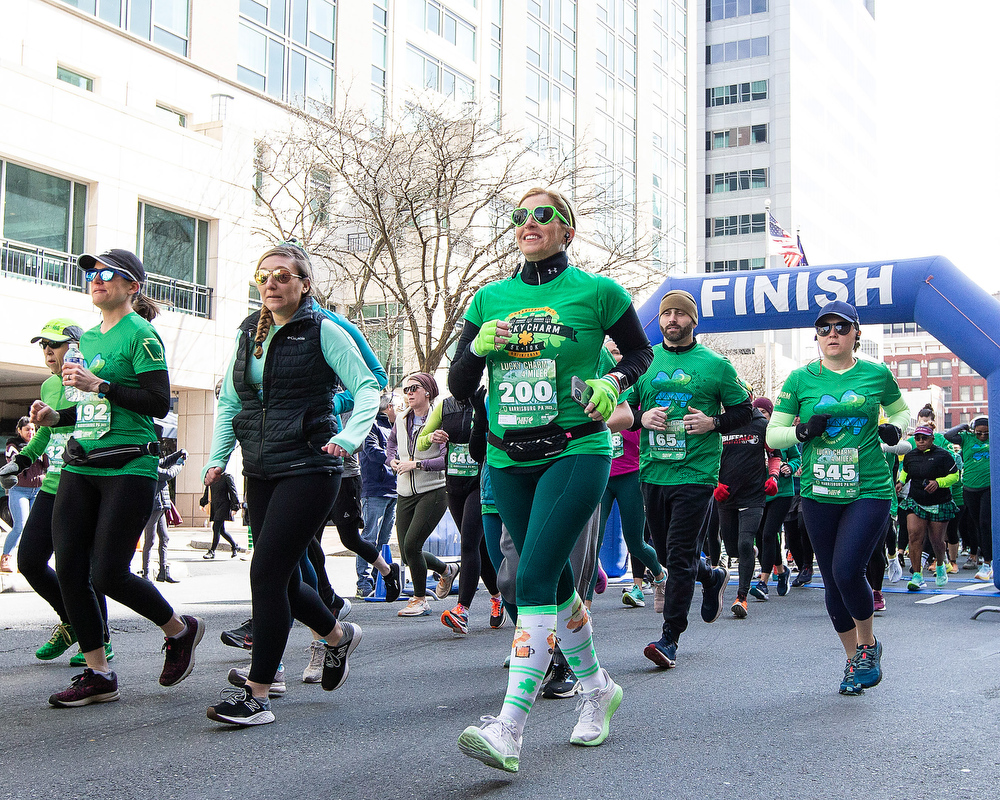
{"points": [[411, 216]]}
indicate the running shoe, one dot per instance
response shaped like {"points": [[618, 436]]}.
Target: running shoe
{"points": [[313, 673], [596, 708], [456, 618], [341, 611], [917, 582], [61, 640], [940, 576], [560, 682], [239, 707], [868, 664], [662, 652], [87, 687], [850, 685], [952, 568], [241, 637], [498, 614], [971, 563], [878, 599], [7, 565], [77, 660], [783, 577], [179, 650], [335, 667], [602, 580], [633, 596], [712, 594], [659, 595], [759, 590], [417, 607], [497, 743], [739, 608], [446, 581], [238, 676], [895, 570], [364, 591], [985, 573], [805, 576], [392, 584], [209, 555]]}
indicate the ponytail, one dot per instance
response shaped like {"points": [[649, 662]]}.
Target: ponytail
{"points": [[145, 306]]}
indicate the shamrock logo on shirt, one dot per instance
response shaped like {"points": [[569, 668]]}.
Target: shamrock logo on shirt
{"points": [[671, 389], [844, 412]]}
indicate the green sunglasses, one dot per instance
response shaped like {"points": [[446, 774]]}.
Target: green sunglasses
{"points": [[543, 215]]}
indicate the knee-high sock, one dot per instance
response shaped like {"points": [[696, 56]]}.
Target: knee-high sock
{"points": [[576, 640], [530, 654]]}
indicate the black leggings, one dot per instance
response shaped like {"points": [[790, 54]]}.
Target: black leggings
{"points": [[877, 563], [219, 530], [769, 536], [347, 517], [284, 513], [467, 511], [33, 556], [739, 528], [798, 541], [978, 503], [96, 524]]}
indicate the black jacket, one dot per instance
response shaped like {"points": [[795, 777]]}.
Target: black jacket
{"points": [[932, 464], [225, 499]]}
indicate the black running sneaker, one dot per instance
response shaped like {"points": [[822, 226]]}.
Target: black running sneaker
{"points": [[87, 688], [560, 682], [239, 707], [392, 586], [241, 637], [335, 667], [712, 594]]}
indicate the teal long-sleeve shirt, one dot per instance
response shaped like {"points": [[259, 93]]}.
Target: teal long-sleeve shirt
{"points": [[343, 356]]}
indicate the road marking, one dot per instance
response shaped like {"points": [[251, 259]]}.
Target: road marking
{"points": [[938, 598]]}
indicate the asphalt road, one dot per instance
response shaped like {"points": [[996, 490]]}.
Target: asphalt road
{"points": [[751, 711]]}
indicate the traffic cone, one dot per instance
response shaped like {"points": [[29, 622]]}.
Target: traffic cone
{"points": [[378, 596]]}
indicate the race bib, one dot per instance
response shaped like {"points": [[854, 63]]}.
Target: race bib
{"points": [[93, 417], [54, 451], [460, 462], [527, 393], [836, 473], [617, 445], [668, 445]]}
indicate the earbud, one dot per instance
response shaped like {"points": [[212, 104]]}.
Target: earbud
{"points": [[566, 237]]}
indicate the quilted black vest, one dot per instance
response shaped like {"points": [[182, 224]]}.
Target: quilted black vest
{"points": [[282, 430]]}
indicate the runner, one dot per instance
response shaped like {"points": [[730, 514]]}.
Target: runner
{"points": [[846, 485], [535, 333], [975, 443], [21, 495]]}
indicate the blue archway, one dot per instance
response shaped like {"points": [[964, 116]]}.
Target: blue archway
{"points": [[932, 292]]}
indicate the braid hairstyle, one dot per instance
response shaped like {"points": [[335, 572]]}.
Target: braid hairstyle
{"points": [[298, 256]]}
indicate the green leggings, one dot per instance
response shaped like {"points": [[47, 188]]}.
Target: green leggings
{"points": [[545, 509], [625, 489]]}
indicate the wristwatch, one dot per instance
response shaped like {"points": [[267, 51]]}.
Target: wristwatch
{"points": [[103, 388]]}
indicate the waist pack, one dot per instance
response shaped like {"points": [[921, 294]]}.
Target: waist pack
{"points": [[535, 444], [107, 457]]}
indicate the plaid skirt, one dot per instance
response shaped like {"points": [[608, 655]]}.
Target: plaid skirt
{"points": [[942, 512]]}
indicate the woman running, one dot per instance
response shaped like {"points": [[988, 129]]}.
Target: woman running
{"points": [[109, 476], [21, 496], [222, 501], [287, 364], [846, 485], [539, 335]]}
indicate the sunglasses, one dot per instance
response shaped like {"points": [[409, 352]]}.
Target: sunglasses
{"points": [[543, 215], [842, 328], [982, 433], [44, 343], [105, 274], [412, 389], [281, 275], [922, 437]]}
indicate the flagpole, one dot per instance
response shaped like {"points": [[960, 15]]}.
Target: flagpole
{"points": [[769, 334]]}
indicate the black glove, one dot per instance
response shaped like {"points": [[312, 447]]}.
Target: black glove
{"points": [[816, 425], [889, 433]]}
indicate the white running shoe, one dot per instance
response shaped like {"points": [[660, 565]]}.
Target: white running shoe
{"points": [[238, 676], [417, 607], [446, 581], [596, 708], [496, 743], [895, 570], [313, 673], [985, 573]]}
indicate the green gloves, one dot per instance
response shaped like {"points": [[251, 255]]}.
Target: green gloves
{"points": [[484, 342], [605, 397]]}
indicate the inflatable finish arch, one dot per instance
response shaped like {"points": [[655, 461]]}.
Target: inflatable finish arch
{"points": [[929, 291]]}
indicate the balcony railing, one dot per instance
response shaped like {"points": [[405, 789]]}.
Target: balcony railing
{"points": [[53, 268]]}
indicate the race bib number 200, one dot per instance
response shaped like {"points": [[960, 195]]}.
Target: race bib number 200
{"points": [[526, 393]]}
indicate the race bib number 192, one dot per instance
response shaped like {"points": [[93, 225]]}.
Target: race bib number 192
{"points": [[93, 417]]}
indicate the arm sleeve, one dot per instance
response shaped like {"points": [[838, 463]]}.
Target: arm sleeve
{"points": [[781, 430], [949, 479], [773, 463], [345, 359], [223, 435], [467, 369], [67, 418], [735, 417], [898, 414], [901, 476], [364, 348], [953, 435], [434, 463], [432, 424], [152, 398], [35, 449], [900, 449], [637, 353]]}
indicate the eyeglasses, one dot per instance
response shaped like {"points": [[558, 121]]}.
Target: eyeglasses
{"points": [[543, 215], [44, 343], [922, 437], [281, 275], [842, 328], [105, 274], [412, 389]]}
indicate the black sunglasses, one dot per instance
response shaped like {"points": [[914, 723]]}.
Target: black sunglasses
{"points": [[412, 388], [105, 274], [842, 328], [43, 343], [920, 437]]}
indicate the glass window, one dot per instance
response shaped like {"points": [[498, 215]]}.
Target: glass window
{"points": [[37, 208], [169, 244], [977, 393], [170, 116], [965, 393], [75, 78]]}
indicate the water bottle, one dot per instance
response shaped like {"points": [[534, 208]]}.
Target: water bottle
{"points": [[74, 356]]}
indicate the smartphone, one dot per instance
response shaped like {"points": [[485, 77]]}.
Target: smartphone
{"points": [[580, 392]]}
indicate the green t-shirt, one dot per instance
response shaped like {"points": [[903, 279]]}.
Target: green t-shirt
{"points": [[559, 330], [976, 457], [119, 356], [846, 462], [697, 378], [50, 441]]}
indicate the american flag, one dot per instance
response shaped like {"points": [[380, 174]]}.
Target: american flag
{"points": [[785, 244]]}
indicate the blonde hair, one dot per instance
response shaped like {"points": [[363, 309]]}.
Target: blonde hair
{"points": [[559, 200], [301, 261]]}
